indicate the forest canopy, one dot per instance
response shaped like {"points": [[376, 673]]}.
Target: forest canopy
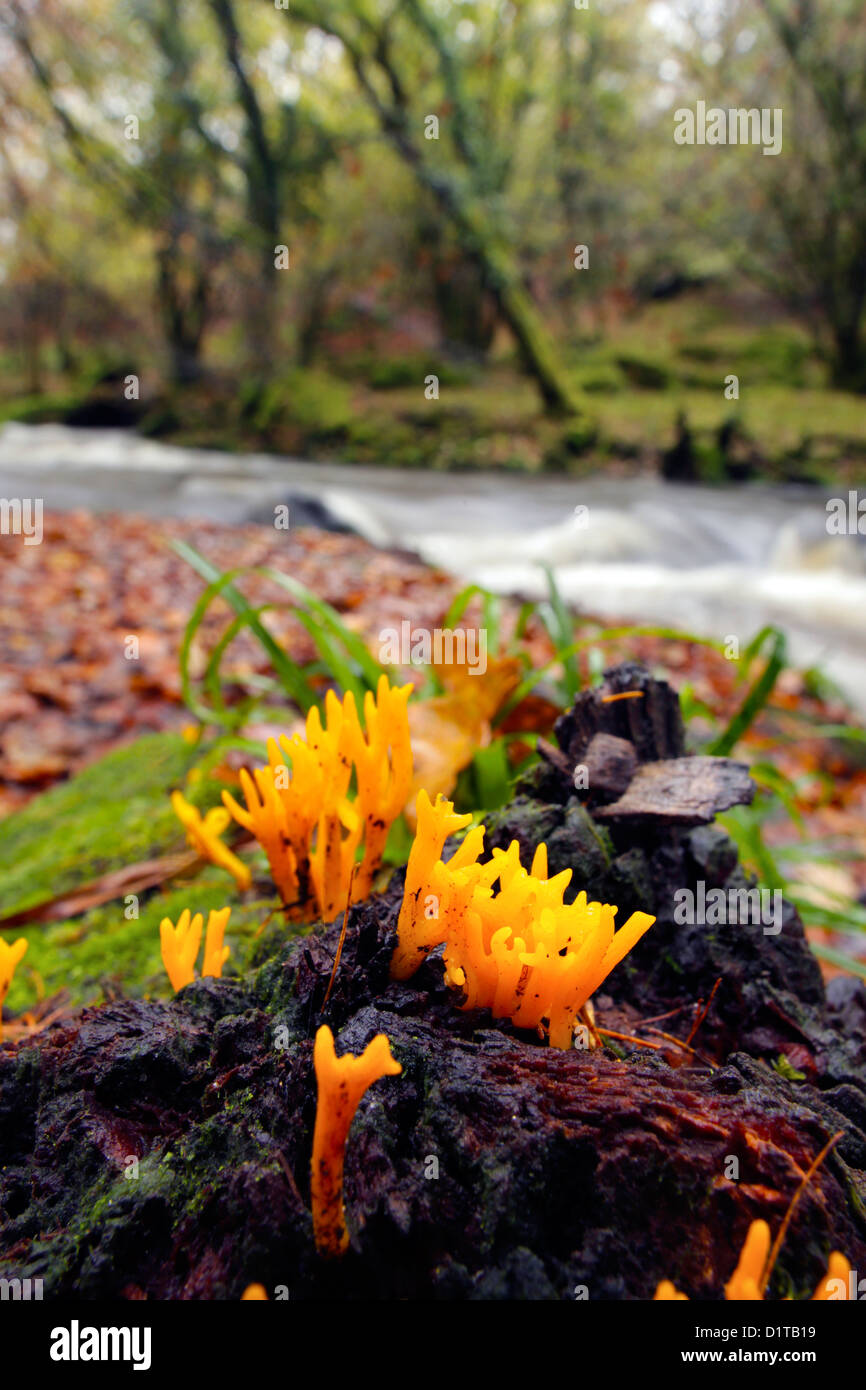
{"points": [[250, 190]]}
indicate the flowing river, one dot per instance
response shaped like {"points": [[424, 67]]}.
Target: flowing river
{"points": [[719, 562]]}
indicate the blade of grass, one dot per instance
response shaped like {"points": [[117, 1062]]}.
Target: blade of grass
{"points": [[492, 775], [834, 957], [527, 611], [330, 619], [758, 693], [491, 610], [290, 674], [612, 634], [211, 680], [561, 630], [335, 662], [461, 602]]}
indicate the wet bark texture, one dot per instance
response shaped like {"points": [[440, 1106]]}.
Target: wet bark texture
{"points": [[493, 1167]]}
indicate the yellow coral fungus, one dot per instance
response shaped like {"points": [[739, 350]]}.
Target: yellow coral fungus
{"points": [[748, 1279], [300, 811], [666, 1293], [10, 956], [180, 946], [421, 924], [215, 953], [522, 952], [341, 1082], [834, 1287], [383, 783], [203, 834], [744, 1284]]}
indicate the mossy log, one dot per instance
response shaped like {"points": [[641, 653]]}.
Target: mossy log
{"points": [[162, 1149]]}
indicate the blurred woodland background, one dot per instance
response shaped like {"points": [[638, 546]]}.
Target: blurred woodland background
{"points": [[264, 227], [250, 208]]}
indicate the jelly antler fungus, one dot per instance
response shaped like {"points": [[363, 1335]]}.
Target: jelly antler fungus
{"points": [[744, 1284], [203, 834], [10, 955], [215, 953], [836, 1282], [180, 946], [422, 921], [383, 782], [666, 1293], [521, 952], [341, 1082], [748, 1280], [304, 819]]}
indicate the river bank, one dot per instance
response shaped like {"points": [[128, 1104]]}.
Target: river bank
{"points": [[719, 561]]}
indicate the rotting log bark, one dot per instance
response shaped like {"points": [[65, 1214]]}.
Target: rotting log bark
{"points": [[552, 1169], [651, 720], [493, 1167], [682, 791]]}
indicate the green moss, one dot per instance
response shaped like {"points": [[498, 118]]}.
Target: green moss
{"points": [[391, 373], [103, 952], [112, 814], [37, 410], [318, 403], [643, 372], [784, 1068]]}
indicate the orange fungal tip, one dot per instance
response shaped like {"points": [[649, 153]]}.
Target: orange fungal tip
{"points": [[835, 1286], [341, 1082], [11, 954], [180, 945], [666, 1293], [746, 1284], [203, 834], [254, 1293]]}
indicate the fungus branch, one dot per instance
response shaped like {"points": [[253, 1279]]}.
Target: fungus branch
{"points": [[341, 1083], [180, 946], [299, 807], [203, 834], [10, 956]]}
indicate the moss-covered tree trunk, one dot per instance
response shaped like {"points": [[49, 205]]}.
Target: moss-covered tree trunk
{"points": [[464, 191]]}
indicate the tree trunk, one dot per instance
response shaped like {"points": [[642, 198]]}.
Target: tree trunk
{"points": [[183, 311], [848, 367], [262, 173], [500, 274]]}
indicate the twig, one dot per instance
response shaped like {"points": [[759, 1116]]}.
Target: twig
{"points": [[660, 1018], [587, 1016], [777, 1243], [669, 1037], [625, 1037], [342, 938], [701, 1016], [290, 1177]]}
